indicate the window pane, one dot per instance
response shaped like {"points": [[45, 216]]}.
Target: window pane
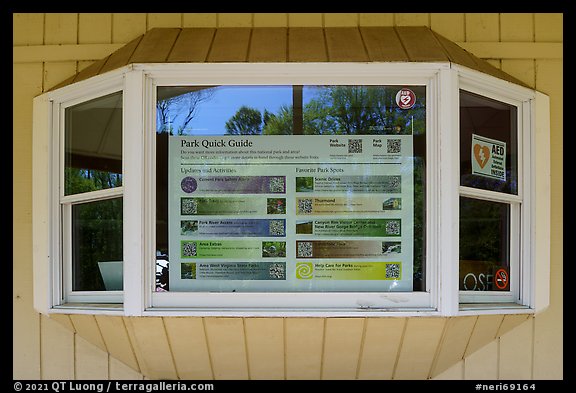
{"points": [[219, 231], [97, 245], [93, 145], [488, 144], [484, 245]]}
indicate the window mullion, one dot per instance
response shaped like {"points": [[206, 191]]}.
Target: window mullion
{"points": [[448, 126], [133, 170]]}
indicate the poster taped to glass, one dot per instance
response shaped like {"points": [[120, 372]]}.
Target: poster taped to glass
{"points": [[291, 213]]}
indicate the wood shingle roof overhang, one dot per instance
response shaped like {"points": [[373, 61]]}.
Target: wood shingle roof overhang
{"points": [[294, 44]]}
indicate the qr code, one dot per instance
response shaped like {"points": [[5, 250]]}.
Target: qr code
{"points": [[354, 145], [304, 206], [393, 227], [392, 183], [393, 145], [304, 250], [188, 206], [277, 271], [189, 250], [277, 185], [395, 183], [276, 228], [393, 271]]}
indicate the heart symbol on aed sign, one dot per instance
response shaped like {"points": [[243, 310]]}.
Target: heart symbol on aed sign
{"points": [[406, 100], [481, 154]]}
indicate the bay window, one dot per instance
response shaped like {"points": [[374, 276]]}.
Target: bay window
{"points": [[287, 189]]}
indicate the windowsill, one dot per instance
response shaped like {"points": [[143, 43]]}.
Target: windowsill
{"points": [[465, 309], [89, 308], [493, 308]]}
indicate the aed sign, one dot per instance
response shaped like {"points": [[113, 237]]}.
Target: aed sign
{"points": [[488, 157]]}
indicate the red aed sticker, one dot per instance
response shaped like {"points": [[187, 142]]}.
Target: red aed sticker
{"points": [[405, 98]]}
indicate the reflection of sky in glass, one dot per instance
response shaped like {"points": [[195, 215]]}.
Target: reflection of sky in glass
{"points": [[215, 109], [227, 100]]}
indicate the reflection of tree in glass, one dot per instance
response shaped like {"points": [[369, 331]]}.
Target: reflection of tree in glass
{"points": [[336, 110], [97, 237], [184, 105], [246, 121], [80, 180], [483, 230]]}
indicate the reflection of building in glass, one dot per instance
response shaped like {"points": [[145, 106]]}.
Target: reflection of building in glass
{"points": [[392, 204], [162, 272]]}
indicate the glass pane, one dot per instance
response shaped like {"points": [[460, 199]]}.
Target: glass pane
{"points": [[97, 245], [93, 145], [484, 245], [213, 237], [488, 144]]}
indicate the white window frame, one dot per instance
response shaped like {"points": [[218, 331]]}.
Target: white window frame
{"points": [[64, 214], [520, 207], [138, 82], [294, 74]]}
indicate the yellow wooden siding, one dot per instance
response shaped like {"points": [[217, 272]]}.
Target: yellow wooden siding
{"points": [[382, 341], [483, 363], [303, 348], [485, 330], [27, 83], [187, 339], [227, 347], [117, 340], [482, 27], [90, 362], [516, 352], [419, 346], [48, 348], [342, 344], [153, 346], [270, 20], [265, 347], [548, 327], [56, 350], [453, 344], [86, 326]]}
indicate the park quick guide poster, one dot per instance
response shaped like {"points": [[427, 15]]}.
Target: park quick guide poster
{"points": [[291, 213]]}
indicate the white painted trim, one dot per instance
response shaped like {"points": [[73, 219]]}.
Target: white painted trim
{"points": [[491, 86], [449, 158], [280, 301], [540, 296], [90, 88], [174, 74], [134, 182], [433, 221], [92, 195]]}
